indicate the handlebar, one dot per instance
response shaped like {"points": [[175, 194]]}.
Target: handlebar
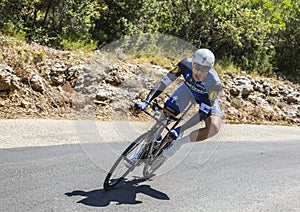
{"points": [[156, 107]]}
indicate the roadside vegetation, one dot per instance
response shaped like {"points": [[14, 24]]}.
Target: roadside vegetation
{"points": [[256, 36]]}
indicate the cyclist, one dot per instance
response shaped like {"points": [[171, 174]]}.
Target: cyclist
{"points": [[201, 84]]}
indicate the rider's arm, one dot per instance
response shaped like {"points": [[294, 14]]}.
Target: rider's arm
{"points": [[213, 92], [165, 82]]}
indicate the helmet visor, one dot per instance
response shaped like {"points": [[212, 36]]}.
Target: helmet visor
{"points": [[202, 68]]}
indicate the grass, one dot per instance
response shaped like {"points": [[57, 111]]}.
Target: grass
{"points": [[79, 45]]}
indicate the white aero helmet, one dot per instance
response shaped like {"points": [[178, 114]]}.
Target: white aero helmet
{"points": [[204, 57]]}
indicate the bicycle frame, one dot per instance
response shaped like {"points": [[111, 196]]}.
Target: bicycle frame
{"points": [[162, 123]]}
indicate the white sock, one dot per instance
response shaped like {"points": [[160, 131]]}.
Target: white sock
{"points": [[175, 145]]}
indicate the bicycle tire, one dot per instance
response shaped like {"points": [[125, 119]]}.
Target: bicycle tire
{"points": [[112, 179]]}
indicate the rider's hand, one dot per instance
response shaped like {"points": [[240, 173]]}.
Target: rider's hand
{"points": [[175, 133], [140, 106]]}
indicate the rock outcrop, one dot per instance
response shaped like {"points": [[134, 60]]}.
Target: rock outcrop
{"points": [[253, 99], [62, 84]]}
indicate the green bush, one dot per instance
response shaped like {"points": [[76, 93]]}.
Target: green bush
{"points": [[260, 36]]}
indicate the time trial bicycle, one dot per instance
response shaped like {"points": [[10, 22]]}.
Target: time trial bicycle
{"points": [[151, 143]]}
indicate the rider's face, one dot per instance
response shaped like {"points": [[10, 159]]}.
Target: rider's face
{"points": [[199, 72]]}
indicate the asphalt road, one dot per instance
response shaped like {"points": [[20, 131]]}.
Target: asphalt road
{"points": [[222, 175]]}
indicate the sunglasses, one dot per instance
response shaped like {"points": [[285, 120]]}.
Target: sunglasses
{"points": [[201, 68]]}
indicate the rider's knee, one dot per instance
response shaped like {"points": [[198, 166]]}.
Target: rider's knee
{"points": [[171, 108]]}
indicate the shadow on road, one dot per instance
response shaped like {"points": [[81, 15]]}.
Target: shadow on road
{"points": [[123, 194]]}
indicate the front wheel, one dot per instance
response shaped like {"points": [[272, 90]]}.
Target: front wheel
{"points": [[119, 171]]}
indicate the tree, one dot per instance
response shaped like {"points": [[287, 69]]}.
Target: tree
{"points": [[255, 35]]}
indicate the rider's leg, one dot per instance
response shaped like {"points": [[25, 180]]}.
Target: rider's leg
{"points": [[212, 127], [178, 101], [213, 122]]}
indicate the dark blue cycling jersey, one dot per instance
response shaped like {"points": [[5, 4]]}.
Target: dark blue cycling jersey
{"points": [[205, 91]]}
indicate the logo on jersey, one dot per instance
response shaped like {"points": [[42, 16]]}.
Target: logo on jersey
{"points": [[213, 95], [174, 99], [205, 108], [175, 70]]}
